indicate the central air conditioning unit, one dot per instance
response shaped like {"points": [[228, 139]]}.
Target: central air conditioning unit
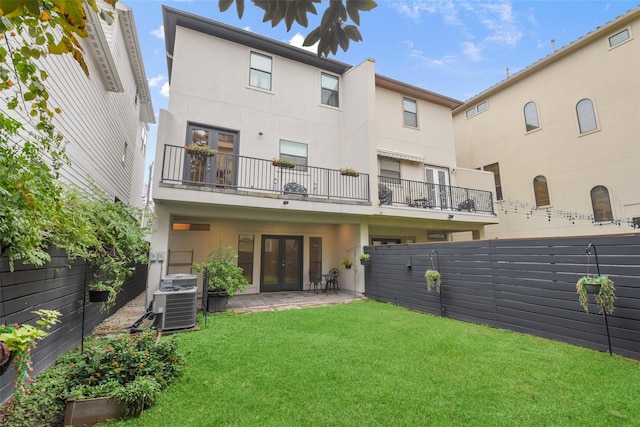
{"points": [[175, 307], [179, 280]]}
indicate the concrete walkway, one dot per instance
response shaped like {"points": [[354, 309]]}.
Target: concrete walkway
{"points": [[122, 320]]}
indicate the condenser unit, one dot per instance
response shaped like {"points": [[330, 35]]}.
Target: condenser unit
{"points": [[175, 308], [179, 280]]}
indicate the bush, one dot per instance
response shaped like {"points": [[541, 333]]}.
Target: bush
{"points": [[132, 368]]}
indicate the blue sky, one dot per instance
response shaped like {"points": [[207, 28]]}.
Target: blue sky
{"points": [[452, 47]]}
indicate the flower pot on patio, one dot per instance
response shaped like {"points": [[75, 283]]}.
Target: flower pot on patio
{"points": [[217, 301]]}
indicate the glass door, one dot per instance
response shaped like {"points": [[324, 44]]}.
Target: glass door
{"points": [[438, 186], [219, 169], [281, 267]]}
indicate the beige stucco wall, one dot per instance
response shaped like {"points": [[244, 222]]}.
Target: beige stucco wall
{"points": [[572, 163]]}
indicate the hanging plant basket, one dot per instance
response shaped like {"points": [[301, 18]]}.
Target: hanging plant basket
{"points": [[433, 280], [96, 295], [600, 286]]}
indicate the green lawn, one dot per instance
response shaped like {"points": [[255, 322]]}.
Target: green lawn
{"points": [[373, 364]]}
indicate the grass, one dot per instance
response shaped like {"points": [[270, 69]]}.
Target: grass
{"points": [[373, 364]]}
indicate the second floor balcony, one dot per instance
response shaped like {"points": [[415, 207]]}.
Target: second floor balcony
{"points": [[252, 176]]}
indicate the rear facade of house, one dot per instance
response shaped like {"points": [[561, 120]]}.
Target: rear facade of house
{"points": [[372, 161]]}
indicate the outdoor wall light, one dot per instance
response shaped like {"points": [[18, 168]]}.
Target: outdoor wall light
{"points": [[450, 216]]}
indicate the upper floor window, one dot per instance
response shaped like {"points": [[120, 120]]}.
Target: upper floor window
{"points": [[390, 168], [297, 152], [477, 109], [618, 38], [601, 204], [586, 116], [531, 116], [260, 75], [330, 90], [495, 168], [541, 191], [410, 112]]}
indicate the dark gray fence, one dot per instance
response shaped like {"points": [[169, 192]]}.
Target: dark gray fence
{"points": [[522, 285], [56, 286]]}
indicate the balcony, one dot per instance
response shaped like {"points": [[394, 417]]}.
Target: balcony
{"points": [[422, 195], [229, 172]]}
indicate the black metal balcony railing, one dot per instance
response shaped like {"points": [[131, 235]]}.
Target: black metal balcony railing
{"points": [[227, 171], [393, 191]]}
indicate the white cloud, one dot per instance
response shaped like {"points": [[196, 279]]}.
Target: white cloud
{"points": [[158, 32], [164, 90], [297, 41], [155, 81], [425, 60], [471, 51]]}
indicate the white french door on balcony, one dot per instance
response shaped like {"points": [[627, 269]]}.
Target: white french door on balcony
{"points": [[437, 180], [220, 169]]}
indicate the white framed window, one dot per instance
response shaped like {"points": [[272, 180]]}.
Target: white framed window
{"points": [[619, 37], [297, 152], [410, 108], [531, 121], [586, 116], [330, 90], [260, 71], [390, 168], [477, 109]]}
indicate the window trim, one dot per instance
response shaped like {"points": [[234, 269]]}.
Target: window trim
{"points": [[480, 107], [322, 89], [270, 73], [405, 112], [395, 161], [301, 166]]}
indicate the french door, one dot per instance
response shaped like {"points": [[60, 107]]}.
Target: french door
{"points": [[219, 170], [438, 186], [281, 266]]}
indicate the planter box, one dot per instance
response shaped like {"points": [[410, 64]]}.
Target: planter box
{"points": [[217, 302], [87, 412]]}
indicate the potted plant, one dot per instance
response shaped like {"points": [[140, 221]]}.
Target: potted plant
{"points": [[100, 291], [433, 280], [201, 150], [283, 163], [364, 258], [18, 340], [225, 277], [602, 287], [349, 172], [347, 262]]}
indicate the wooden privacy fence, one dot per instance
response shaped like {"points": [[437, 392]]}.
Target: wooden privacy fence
{"points": [[523, 285], [55, 286]]}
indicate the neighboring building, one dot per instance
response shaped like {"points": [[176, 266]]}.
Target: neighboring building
{"points": [[105, 117], [561, 137], [254, 100]]}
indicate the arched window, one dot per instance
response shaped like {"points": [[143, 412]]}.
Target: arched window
{"points": [[541, 191], [586, 116], [531, 121], [601, 204]]}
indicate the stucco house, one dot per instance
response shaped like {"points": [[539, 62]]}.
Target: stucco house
{"points": [[561, 137], [372, 160]]}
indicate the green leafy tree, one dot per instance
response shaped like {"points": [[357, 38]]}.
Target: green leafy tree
{"points": [[333, 31]]}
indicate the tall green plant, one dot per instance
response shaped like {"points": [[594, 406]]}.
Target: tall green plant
{"points": [[224, 274]]}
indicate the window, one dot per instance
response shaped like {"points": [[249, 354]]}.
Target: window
{"points": [[330, 90], [182, 226], [245, 256], [315, 256], [531, 116], [477, 109], [601, 204], [495, 168], [586, 116], [618, 38], [260, 75], [541, 191], [294, 151], [410, 112], [390, 168]]}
